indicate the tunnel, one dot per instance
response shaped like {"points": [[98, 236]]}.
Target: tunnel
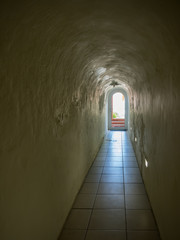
{"points": [[60, 60]]}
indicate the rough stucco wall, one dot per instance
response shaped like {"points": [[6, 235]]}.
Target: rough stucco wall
{"points": [[155, 120], [155, 117], [58, 59], [52, 124]]}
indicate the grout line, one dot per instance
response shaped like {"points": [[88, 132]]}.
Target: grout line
{"points": [[124, 195], [93, 204]]}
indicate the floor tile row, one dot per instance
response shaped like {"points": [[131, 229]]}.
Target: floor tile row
{"points": [[112, 203]]}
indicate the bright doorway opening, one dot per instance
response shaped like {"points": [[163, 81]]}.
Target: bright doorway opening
{"points": [[117, 114], [118, 110]]}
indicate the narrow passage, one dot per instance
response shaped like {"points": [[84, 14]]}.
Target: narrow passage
{"points": [[112, 203]]}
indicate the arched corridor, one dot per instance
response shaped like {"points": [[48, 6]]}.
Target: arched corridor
{"points": [[59, 62]]}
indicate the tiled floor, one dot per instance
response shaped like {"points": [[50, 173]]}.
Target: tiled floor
{"points": [[112, 203]]}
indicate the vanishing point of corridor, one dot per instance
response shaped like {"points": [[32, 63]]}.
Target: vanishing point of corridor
{"points": [[112, 203]]}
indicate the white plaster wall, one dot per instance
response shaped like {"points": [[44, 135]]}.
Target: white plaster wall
{"points": [[155, 123], [51, 127]]}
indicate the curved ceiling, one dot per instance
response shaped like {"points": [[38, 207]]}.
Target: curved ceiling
{"points": [[89, 44]]}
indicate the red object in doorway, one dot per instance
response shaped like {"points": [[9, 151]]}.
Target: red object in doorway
{"points": [[118, 122]]}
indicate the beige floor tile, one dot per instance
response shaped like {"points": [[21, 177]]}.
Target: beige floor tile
{"points": [[135, 188], [111, 219], [78, 219], [140, 220], [106, 235], [90, 188], [143, 235], [137, 202], [109, 201], [111, 188], [84, 201], [72, 235]]}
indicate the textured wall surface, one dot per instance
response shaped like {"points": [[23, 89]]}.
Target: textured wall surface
{"points": [[58, 59]]}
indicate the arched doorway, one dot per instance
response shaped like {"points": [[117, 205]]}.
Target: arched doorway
{"points": [[118, 109]]}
